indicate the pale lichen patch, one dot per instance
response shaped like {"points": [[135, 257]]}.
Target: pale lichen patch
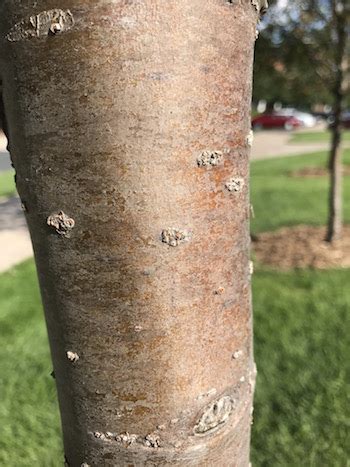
{"points": [[260, 6], [152, 440], [209, 158], [62, 223], [256, 4], [173, 236], [126, 438], [72, 356], [250, 139], [237, 354], [235, 184]]}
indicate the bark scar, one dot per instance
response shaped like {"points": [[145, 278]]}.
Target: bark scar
{"points": [[152, 440], [50, 22], [216, 414]]}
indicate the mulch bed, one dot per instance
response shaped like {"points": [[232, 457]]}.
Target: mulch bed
{"points": [[314, 172], [302, 247]]}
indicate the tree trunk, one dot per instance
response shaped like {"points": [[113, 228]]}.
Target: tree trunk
{"points": [[335, 213], [128, 124]]}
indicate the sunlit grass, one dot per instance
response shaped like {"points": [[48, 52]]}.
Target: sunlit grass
{"points": [[282, 200], [316, 137], [7, 184]]}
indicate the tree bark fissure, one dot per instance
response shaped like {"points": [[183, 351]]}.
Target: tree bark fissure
{"points": [[129, 129]]}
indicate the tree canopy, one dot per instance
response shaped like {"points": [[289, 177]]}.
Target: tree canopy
{"points": [[297, 54]]}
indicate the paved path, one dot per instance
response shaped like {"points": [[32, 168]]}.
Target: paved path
{"points": [[274, 143], [15, 245]]}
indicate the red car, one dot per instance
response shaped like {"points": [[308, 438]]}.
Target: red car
{"points": [[276, 121]]}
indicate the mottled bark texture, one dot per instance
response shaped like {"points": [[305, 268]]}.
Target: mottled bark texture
{"points": [[129, 131]]}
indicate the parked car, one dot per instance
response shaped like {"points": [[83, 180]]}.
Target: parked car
{"points": [[307, 119], [276, 121]]}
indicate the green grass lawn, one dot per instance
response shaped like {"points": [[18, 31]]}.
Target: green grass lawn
{"points": [[281, 200], [30, 434], [7, 184], [302, 346], [316, 137]]}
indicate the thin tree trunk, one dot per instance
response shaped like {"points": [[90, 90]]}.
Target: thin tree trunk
{"points": [[128, 125], [335, 213]]}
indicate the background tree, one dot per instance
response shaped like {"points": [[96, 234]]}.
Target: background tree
{"points": [[128, 125], [309, 47]]}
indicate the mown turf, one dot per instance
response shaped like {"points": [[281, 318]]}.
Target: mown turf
{"points": [[7, 184], [282, 200], [302, 347], [316, 137], [29, 423]]}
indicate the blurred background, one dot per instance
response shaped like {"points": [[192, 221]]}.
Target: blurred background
{"points": [[301, 292]]}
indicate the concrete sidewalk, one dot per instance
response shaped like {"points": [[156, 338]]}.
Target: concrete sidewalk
{"points": [[275, 143], [15, 244]]}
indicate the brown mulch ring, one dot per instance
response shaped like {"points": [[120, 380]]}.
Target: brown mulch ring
{"points": [[301, 247], [314, 172]]}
